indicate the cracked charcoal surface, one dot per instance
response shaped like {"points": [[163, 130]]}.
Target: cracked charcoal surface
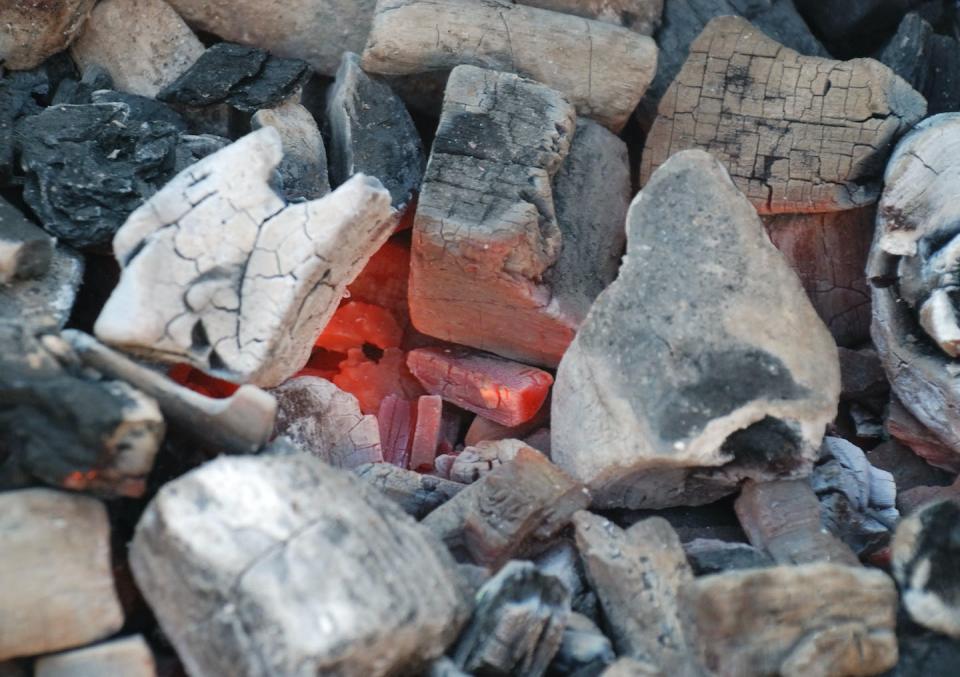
{"points": [[220, 272], [703, 364], [797, 134], [89, 166], [372, 133], [244, 77], [228, 556]]}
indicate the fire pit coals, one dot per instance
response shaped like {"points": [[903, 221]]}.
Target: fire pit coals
{"points": [[303, 169]]}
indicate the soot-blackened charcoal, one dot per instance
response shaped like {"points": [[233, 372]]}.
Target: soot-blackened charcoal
{"points": [[18, 94], [304, 165]]}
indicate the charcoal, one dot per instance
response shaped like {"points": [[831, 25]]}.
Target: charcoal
{"points": [[631, 667], [484, 430], [783, 519], [561, 51], [943, 77], [200, 259], [33, 31], [246, 78], [304, 165], [812, 619], [563, 561], [908, 469], [637, 575], [143, 44], [74, 91], [58, 589], [19, 92], [584, 650], [861, 375], [227, 556], [721, 370], [371, 132], [48, 298], [417, 494], [923, 652], [89, 166], [479, 460], [130, 657], [914, 499], [712, 556], [426, 436], [25, 250], [397, 420], [851, 26], [642, 16], [814, 145], [908, 52], [908, 430], [141, 107], [517, 625], [444, 667], [926, 550], [194, 147], [514, 508]]}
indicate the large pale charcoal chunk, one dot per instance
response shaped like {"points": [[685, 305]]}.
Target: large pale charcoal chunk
{"points": [[32, 30], [812, 619], [284, 565], [913, 272], [220, 272], [798, 134], [371, 132], [486, 231], [601, 68], [57, 590], [703, 364]]}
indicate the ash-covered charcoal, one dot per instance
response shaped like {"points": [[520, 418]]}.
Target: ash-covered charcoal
{"points": [[512, 509], [637, 575], [194, 147], [798, 134], [129, 656], [812, 619], [684, 20], [563, 561], [926, 564], [228, 557], [476, 461], [304, 165], [642, 16], [219, 272], [719, 367], [584, 650], [484, 430], [68, 429], [417, 494], [927, 60], [34, 30], [246, 78], [89, 166], [517, 625], [19, 92], [58, 587], [25, 249], [783, 519], [48, 298], [712, 556], [564, 52], [371, 132], [143, 44], [327, 422]]}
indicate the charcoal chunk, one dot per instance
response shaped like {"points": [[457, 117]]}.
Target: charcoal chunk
{"points": [[19, 92], [711, 556], [25, 250]]}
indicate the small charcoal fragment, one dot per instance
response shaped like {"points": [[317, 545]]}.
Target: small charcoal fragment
{"points": [[416, 493], [25, 250]]}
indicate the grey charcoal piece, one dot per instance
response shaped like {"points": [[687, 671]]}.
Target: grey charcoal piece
{"points": [[416, 493], [47, 299], [584, 650], [712, 556], [304, 165], [25, 249], [126, 657]]}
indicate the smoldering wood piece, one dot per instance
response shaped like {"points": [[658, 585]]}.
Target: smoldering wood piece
{"points": [[718, 365], [142, 44], [426, 434], [47, 298], [484, 430], [782, 518], [241, 423], [304, 165], [822, 619], [68, 429], [564, 52], [227, 557], [563, 561], [925, 553], [58, 589], [798, 134], [914, 282], [516, 505], [507, 392], [219, 272], [584, 650], [713, 556], [416, 493], [397, 421], [485, 231], [907, 429], [637, 575], [371, 132], [33, 31], [327, 422], [641, 16], [829, 254], [476, 461], [517, 625], [130, 657], [25, 249]]}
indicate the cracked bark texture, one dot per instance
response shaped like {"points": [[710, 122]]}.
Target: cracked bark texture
{"points": [[798, 134], [218, 271], [703, 364], [267, 566], [912, 270], [486, 230], [601, 68], [811, 619]]}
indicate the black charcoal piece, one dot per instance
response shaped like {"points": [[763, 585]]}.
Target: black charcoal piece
{"points": [[712, 556], [19, 91], [908, 51], [141, 107]]}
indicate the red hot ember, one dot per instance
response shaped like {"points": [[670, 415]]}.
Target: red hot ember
{"points": [[501, 390]]}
